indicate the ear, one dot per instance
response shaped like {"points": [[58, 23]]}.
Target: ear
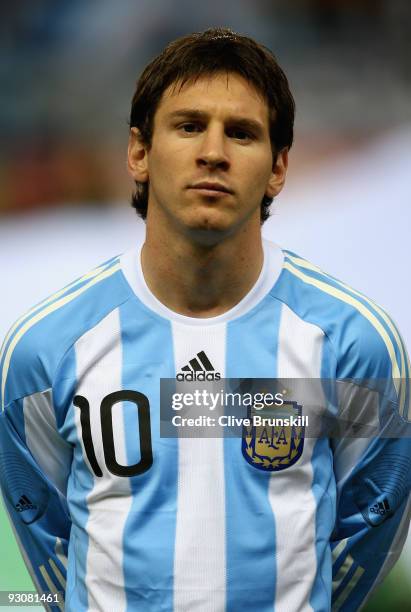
{"points": [[137, 160], [278, 174]]}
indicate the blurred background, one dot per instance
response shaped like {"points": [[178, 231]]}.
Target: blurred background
{"points": [[67, 73]]}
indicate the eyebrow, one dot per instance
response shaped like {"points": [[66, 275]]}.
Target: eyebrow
{"points": [[243, 122]]}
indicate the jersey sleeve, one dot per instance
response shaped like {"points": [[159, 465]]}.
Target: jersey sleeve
{"points": [[34, 464], [373, 489]]}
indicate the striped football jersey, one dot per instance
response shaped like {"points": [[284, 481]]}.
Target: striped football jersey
{"points": [[113, 516]]}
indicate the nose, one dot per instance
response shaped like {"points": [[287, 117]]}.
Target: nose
{"points": [[212, 151]]}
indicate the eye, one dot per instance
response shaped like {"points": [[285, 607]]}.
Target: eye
{"points": [[190, 127], [239, 134]]}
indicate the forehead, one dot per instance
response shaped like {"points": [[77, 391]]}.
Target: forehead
{"points": [[215, 94]]}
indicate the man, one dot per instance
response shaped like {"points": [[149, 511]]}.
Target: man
{"points": [[115, 515]]}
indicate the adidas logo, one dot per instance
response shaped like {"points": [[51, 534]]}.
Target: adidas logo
{"points": [[199, 368], [24, 504], [380, 508]]}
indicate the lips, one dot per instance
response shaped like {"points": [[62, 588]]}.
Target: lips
{"points": [[208, 186]]}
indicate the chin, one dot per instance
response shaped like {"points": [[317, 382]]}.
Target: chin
{"points": [[208, 229]]}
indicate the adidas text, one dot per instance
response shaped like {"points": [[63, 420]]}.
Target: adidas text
{"points": [[198, 376]]}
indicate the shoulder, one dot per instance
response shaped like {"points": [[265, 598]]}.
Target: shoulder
{"points": [[39, 339], [364, 338]]}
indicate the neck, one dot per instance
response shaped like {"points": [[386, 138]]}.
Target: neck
{"points": [[197, 280]]}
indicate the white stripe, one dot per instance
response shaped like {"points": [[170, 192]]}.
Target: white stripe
{"points": [[58, 574], [347, 454], [345, 593], [299, 357], [44, 313], [343, 571], [51, 452], [339, 549], [200, 554], [51, 586], [99, 372], [60, 552]]}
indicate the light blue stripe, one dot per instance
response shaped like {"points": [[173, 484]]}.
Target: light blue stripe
{"points": [[80, 483], [149, 533], [324, 492], [15, 414], [252, 344]]}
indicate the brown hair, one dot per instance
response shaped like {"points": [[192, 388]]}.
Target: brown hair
{"points": [[202, 54]]}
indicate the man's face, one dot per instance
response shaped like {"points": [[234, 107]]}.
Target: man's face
{"points": [[210, 162]]}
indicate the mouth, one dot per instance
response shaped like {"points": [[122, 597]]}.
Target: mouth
{"points": [[209, 188]]}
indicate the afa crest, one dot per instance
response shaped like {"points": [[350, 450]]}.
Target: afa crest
{"points": [[278, 442]]}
